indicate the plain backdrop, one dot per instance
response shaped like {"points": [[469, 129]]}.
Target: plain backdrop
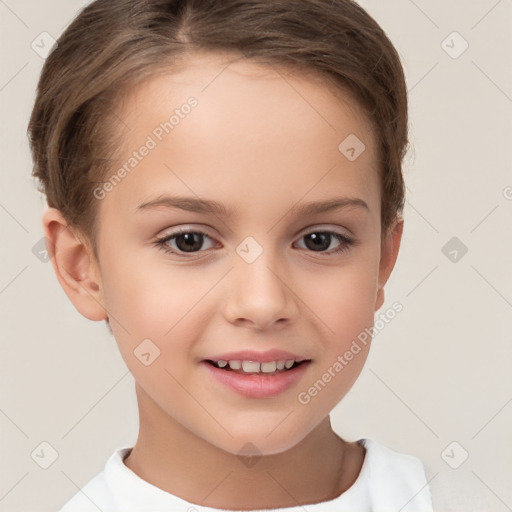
{"points": [[437, 384]]}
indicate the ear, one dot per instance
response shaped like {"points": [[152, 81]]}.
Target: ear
{"points": [[74, 264], [389, 252]]}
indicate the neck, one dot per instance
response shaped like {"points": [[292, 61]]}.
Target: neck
{"points": [[319, 468]]}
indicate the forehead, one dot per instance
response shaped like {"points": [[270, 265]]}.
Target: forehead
{"points": [[254, 126], [230, 88]]}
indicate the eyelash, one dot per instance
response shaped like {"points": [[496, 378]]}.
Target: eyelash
{"points": [[161, 243]]}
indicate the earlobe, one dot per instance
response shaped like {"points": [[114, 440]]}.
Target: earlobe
{"points": [[390, 246], [74, 265]]}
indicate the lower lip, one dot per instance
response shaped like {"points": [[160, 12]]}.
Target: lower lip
{"points": [[258, 385]]}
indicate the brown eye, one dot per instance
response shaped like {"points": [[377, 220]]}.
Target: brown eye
{"points": [[189, 242], [318, 241], [322, 241], [182, 242]]}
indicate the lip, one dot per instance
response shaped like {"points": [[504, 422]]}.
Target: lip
{"points": [[253, 385], [260, 357]]}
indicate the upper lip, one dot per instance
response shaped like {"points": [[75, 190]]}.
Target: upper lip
{"points": [[260, 357]]}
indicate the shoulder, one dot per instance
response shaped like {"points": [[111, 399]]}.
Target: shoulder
{"points": [[96, 494], [389, 463], [395, 479], [93, 496]]}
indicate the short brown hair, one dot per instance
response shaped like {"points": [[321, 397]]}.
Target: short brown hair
{"points": [[114, 45]]}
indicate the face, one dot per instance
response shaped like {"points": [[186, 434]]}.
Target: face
{"points": [[255, 266]]}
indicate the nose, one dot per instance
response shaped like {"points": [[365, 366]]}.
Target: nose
{"points": [[259, 294]]}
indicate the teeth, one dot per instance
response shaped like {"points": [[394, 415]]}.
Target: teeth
{"points": [[268, 367], [250, 366], [255, 367]]}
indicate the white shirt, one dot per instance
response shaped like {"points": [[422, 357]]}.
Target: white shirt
{"points": [[388, 482]]}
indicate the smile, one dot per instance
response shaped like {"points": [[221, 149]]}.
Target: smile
{"points": [[253, 379], [255, 366]]}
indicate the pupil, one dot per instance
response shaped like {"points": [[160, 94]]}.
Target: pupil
{"points": [[193, 242], [321, 241]]}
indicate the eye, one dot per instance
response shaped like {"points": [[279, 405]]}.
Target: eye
{"points": [[183, 241], [320, 241]]}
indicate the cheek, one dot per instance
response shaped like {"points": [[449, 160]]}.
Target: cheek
{"points": [[149, 298], [344, 302], [344, 305], [157, 302], [345, 299], [149, 311]]}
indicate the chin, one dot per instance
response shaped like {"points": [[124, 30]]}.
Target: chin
{"points": [[265, 441]]}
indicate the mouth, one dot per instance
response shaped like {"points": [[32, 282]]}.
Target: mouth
{"points": [[253, 379], [246, 367]]}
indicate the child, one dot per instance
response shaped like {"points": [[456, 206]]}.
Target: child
{"points": [[225, 190]]}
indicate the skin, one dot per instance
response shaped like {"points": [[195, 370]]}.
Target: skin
{"points": [[259, 141]]}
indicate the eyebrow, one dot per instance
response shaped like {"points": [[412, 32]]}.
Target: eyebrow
{"points": [[336, 203], [194, 204], [191, 204]]}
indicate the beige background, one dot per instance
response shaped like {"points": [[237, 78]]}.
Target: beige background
{"points": [[438, 373]]}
